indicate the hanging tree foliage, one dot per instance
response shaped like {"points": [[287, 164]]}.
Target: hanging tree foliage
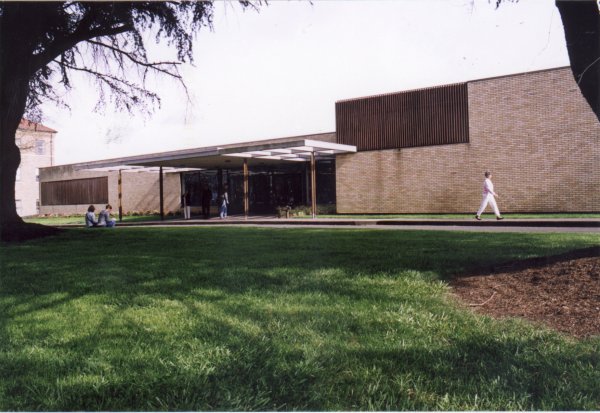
{"points": [[43, 43]]}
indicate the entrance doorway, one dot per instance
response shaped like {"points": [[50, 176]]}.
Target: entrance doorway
{"points": [[269, 186]]}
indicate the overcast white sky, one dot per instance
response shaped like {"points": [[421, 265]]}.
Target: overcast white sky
{"points": [[278, 72]]}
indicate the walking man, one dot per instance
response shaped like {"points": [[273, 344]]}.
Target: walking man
{"points": [[489, 197]]}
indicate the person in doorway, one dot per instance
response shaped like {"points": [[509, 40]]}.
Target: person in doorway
{"points": [[90, 217], [489, 197], [223, 202], [185, 203], [206, 198], [104, 219]]}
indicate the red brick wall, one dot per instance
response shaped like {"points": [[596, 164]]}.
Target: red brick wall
{"points": [[534, 131]]}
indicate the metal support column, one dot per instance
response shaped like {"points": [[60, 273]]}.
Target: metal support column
{"points": [[160, 188], [219, 181], [120, 197], [246, 202], [313, 184]]}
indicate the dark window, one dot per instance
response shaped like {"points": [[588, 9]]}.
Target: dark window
{"points": [[75, 192], [326, 182], [39, 147], [434, 116]]}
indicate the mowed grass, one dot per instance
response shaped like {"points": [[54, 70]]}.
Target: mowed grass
{"points": [[80, 219], [276, 319]]}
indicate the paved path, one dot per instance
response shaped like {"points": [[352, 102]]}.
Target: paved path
{"points": [[507, 225]]}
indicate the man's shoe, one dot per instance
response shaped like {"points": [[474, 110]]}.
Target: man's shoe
{"points": [[477, 217], [499, 218]]}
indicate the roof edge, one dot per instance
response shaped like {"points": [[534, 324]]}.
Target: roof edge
{"points": [[451, 84], [206, 150], [26, 124]]}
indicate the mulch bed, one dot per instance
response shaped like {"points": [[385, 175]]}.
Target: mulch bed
{"points": [[561, 291]]}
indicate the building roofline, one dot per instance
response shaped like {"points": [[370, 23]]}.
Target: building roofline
{"points": [[519, 74], [198, 151], [26, 124], [450, 84]]}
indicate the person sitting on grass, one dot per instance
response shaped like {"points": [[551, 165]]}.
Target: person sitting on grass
{"points": [[90, 217], [104, 219]]}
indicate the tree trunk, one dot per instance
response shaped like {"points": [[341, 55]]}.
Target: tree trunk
{"points": [[14, 88], [581, 21], [13, 95]]}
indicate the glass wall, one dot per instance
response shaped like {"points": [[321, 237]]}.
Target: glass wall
{"points": [[270, 186]]}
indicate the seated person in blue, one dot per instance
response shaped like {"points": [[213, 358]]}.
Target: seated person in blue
{"points": [[104, 219], [90, 217]]}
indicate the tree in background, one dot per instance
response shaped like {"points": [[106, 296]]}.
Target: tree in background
{"points": [[581, 22], [43, 43]]}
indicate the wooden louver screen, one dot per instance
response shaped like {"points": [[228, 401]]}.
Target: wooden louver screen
{"points": [[434, 116], [75, 192]]}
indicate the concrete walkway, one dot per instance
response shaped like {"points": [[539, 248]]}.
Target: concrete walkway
{"points": [[506, 225]]}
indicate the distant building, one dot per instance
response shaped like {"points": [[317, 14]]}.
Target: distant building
{"points": [[36, 143]]}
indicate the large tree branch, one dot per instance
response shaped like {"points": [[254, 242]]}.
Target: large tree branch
{"points": [[156, 66], [67, 42], [580, 77], [150, 65], [581, 22], [105, 77]]}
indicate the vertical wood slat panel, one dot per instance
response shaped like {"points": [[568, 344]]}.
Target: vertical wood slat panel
{"points": [[434, 116], [75, 192]]}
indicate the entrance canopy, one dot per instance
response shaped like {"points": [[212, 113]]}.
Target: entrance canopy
{"points": [[226, 156], [244, 156]]}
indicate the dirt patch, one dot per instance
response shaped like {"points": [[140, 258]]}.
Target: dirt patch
{"points": [[561, 291]]}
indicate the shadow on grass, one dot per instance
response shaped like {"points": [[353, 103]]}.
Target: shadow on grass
{"points": [[534, 262], [228, 367], [226, 319]]}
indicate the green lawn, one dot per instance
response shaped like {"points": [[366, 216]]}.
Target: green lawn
{"points": [[80, 219], [228, 318]]}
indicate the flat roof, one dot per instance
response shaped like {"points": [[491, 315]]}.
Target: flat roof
{"points": [[466, 82], [274, 151]]}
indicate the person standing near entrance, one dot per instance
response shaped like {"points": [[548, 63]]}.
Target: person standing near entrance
{"points": [[185, 203], [206, 198], [489, 197], [223, 202]]}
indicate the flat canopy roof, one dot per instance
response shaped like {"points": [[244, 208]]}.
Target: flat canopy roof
{"points": [[226, 156]]}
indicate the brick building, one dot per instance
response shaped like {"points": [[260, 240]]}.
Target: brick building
{"points": [[67, 189], [533, 130], [35, 141], [418, 151]]}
